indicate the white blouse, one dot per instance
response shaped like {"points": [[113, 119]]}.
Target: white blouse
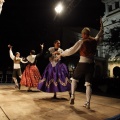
{"points": [[31, 58], [54, 58]]}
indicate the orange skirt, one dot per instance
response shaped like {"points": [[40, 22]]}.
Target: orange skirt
{"points": [[30, 76]]}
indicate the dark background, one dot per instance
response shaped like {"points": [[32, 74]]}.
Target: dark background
{"points": [[27, 23]]}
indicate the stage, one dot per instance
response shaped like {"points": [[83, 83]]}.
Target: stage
{"points": [[22, 105]]}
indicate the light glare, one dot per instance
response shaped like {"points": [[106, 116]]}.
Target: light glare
{"points": [[59, 8]]}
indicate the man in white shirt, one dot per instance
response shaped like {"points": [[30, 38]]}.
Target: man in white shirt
{"points": [[16, 66], [87, 48]]}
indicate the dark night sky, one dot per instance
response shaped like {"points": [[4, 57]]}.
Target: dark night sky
{"points": [[27, 23]]}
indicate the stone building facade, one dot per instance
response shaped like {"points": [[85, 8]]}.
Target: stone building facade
{"points": [[110, 47]]}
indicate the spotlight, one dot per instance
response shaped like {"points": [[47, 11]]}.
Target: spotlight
{"points": [[1, 4], [59, 8]]}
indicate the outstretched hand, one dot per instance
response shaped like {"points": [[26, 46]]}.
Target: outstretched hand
{"points": [[10, 46], [42, 45]]}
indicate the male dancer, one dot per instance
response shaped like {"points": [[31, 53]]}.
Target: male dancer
{"points": [[16, 66], [87, 47]]}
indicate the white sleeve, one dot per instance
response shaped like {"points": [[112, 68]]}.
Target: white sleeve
{"points": [[21, 60], [99, 35], [11, 54], [73, 49]]}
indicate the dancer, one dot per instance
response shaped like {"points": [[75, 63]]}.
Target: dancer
{"points": [[16, 67], [31, 74], [87, 47], [55, 77]]}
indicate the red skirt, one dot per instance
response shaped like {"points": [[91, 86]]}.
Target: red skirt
{"points": [[30, 76]]}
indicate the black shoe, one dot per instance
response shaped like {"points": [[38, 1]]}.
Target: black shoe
{"points": [[72, 101], [16, 86], [29, 90], [19, 86], [87, 105], [54, 97]]}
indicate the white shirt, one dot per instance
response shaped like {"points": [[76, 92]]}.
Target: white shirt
{"points": [[77, 46], [16, 65]]}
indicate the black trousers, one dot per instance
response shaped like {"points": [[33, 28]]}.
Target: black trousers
{"points": [[84, 70], [16, 73]]}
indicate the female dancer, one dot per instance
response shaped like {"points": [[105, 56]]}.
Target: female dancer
{"points": [[55, 77], [31, 74]]}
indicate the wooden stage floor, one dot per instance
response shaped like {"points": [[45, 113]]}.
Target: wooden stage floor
{"points": [[22, 105]]}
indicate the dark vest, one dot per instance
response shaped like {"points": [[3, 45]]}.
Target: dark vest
{"points": [[16, 61], [88, 48]]}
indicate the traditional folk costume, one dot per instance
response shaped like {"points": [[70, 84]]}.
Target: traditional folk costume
{"points": [[31, 74], [55, 77], [16, 67], [85, 66]]}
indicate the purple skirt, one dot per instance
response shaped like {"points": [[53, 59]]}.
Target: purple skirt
{"points": [[55, 79]]}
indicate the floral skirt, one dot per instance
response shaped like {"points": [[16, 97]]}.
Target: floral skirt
{"points": [[30, 76], [55, 79]]}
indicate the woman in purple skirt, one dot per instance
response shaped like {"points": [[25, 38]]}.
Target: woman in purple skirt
{"points": [[55, 77]]}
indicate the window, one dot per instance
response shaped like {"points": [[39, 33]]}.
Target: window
{"points": [[117, 5], [110, 8]]}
